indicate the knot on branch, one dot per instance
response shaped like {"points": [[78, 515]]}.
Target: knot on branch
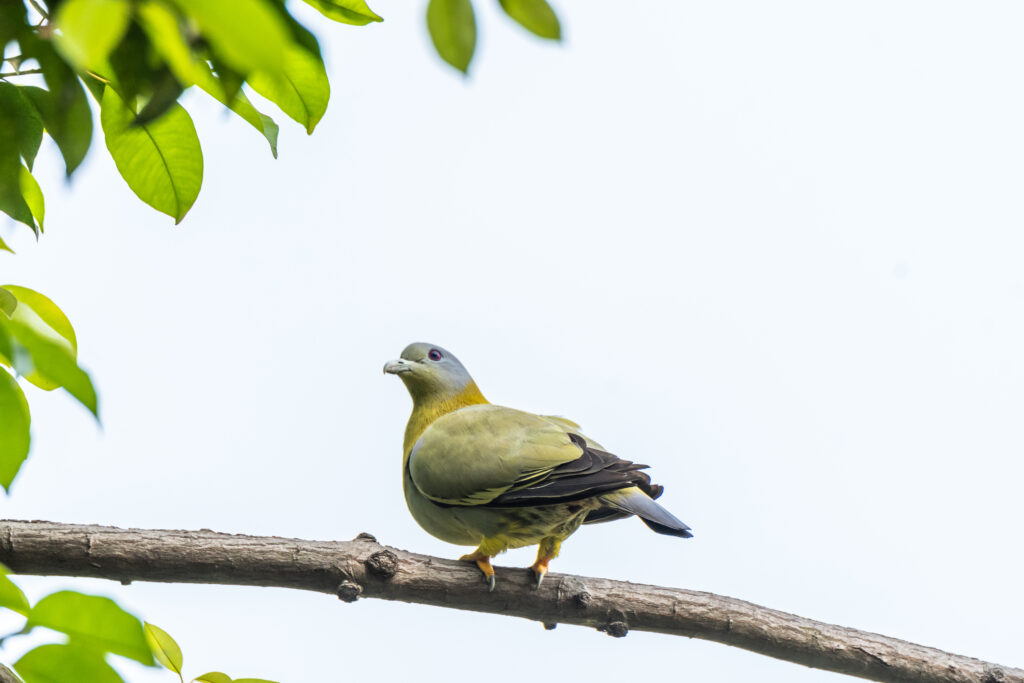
{"points": [[364, 536], [993, 674], [549, 626], [349, 591], [616, 629], [576, 591], [382, 563]]}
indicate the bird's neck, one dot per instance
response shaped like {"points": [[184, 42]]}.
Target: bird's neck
{"points": [[426, 409]]}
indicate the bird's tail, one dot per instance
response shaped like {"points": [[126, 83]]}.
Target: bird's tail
{"points": [[636, 502]]}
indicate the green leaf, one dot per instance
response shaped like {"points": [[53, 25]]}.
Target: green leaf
{"points": [[11, 596], [247, 34], [89, 30], [64, 107], [453, 29], [28, 124], [8, 302], [63, 664], [14, 434], [536, 16], [11, 200], [355, 12], [257, 119], [4, 247], [50, 363], [213, 677], [166, 90], [33, 197], [49, 320], [161, 161], [164, 648], [43, 346], [301, 90], [94, 622], [164, 29]]}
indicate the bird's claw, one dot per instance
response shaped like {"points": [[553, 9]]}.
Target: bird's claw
{"points": [[483, 562], [540, 571]]}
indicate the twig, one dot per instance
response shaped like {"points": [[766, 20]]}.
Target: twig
{"points": [[364, 568], [39, 9], [26, 72]]}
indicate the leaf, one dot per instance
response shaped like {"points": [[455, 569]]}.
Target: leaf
{"points": [[257, 119], [452, 27], [354, 12], [536, 16], [253, 680], [54, 323], [301, 90], [43, 346], [165, 93], [27, 123], [64, 107], [8, 302], [161, 161], [131, 69], [14, 434], [38, 313], [65, 663], [33, 197], [89, 30], [213, 677], [163, 648], [94, 622], [11, 200], [50, 363], [11, 596], [247, 34], [4, 247], [162, 26]]}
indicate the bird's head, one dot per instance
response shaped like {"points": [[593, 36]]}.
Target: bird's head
{"points": [[431, 373]]}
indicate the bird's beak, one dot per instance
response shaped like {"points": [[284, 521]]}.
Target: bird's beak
{"points": [[397, 366]]}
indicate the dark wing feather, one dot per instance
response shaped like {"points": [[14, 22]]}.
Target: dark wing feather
{"points": [[593, 473]]}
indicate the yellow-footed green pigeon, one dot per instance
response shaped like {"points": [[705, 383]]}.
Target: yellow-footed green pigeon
{"points": [[483, 475]]}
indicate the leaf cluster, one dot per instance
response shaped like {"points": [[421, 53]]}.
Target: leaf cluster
{"points": [[452, 26], [38, 343], [93, 628], [136, 58]]}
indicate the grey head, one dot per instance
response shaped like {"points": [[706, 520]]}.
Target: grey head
{"points": [[431, 372]]}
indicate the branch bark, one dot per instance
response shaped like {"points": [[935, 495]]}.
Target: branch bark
{"points": [[362, 568]]}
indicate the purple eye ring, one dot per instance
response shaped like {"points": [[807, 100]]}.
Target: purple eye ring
{"points": [[434, 354]]}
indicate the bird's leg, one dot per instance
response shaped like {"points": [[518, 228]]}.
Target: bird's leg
{"points": [[547, 551], [484, 562]]}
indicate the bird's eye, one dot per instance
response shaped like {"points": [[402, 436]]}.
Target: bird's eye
{"points": [[434, 354]]}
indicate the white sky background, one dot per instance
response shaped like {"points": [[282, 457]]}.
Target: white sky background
{"points": [[771, 249]]}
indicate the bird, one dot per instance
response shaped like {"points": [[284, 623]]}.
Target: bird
{"points": [[479, 474]]}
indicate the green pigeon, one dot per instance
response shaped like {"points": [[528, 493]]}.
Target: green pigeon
{"points": [[497, 478]]}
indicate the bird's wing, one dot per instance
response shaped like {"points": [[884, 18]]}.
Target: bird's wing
{"points": [[500, 457]]}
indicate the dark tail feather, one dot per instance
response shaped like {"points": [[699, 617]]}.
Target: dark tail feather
{"points": [[636, 502], [683, 532]]}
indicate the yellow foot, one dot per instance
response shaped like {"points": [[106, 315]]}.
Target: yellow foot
{"points": [[540, 568], [484, 563]]}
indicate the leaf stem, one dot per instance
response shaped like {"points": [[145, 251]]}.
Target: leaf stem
{"points": [[39, 8], [26, 72]]}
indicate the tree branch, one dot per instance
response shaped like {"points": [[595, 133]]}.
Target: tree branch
{"points": [[364, 568]]}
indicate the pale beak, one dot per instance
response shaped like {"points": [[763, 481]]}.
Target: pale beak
{"points": [[397, 366]]}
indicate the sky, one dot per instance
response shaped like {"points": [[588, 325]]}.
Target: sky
{"points": [[770, 249]]}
